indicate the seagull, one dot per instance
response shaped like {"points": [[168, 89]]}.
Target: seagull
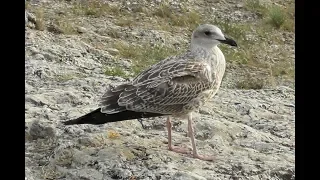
{"points": [[176, 87]]}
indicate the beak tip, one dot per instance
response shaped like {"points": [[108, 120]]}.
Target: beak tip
{"points": [[234, 44], [230, 42]]}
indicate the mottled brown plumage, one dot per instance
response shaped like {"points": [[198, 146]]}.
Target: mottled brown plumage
{"points": [[176, 86]]}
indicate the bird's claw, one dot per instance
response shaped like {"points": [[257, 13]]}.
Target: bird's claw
{"points": [[204, 158]]}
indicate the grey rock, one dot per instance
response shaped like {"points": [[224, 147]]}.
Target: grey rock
{"points": [[108, 154], [85, 174], [34, 50], [80, 158], [239, 5], [76, 132], [118, 173], [31, 25], [186, 176], [88, 141], [28, 174], [38, 129], [126, 64], [81, 30], [39, 57], [50, 57], [31, 17]]}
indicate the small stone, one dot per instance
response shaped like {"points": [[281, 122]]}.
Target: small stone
{"points": [[126, 64], [49, 56], [34, 50], [31, 25], [81, 30], [239, 5], [113, 51], [31, 17], [39, 57]]}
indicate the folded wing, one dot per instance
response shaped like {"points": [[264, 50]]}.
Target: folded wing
{"points": [[165, 87]]}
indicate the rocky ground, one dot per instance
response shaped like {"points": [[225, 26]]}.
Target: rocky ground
{"points": [[250, 132]]}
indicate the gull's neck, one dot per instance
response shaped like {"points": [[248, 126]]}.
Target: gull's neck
{"points": [[198, 45], [196, 48]]}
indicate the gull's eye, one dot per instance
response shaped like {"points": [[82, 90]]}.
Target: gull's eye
{"points": [[208, 33]]}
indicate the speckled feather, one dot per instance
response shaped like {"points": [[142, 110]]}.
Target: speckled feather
{"points": [[175, 85]]}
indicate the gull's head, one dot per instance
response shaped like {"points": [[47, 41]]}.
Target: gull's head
{"points": [[208, 36]]}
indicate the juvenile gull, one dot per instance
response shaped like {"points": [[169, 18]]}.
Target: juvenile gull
{"points": [[176, 86]]}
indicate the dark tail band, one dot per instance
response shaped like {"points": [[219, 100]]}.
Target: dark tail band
{"points": [[96, 117]]}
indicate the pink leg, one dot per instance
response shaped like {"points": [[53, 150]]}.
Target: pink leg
{"points": [[189, 131], [172, 148], [194, 148]]}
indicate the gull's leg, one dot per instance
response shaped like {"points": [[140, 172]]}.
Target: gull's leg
{"points": [[172, 148], [194, 148], [189, 130]]}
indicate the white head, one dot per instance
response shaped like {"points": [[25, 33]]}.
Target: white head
{"points": [[208, 36]]}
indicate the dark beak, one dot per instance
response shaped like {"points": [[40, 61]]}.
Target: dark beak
{"points": [[229, 41]]}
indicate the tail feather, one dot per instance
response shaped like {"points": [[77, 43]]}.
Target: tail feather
{"points": [[97, 117], [109, 101]]}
